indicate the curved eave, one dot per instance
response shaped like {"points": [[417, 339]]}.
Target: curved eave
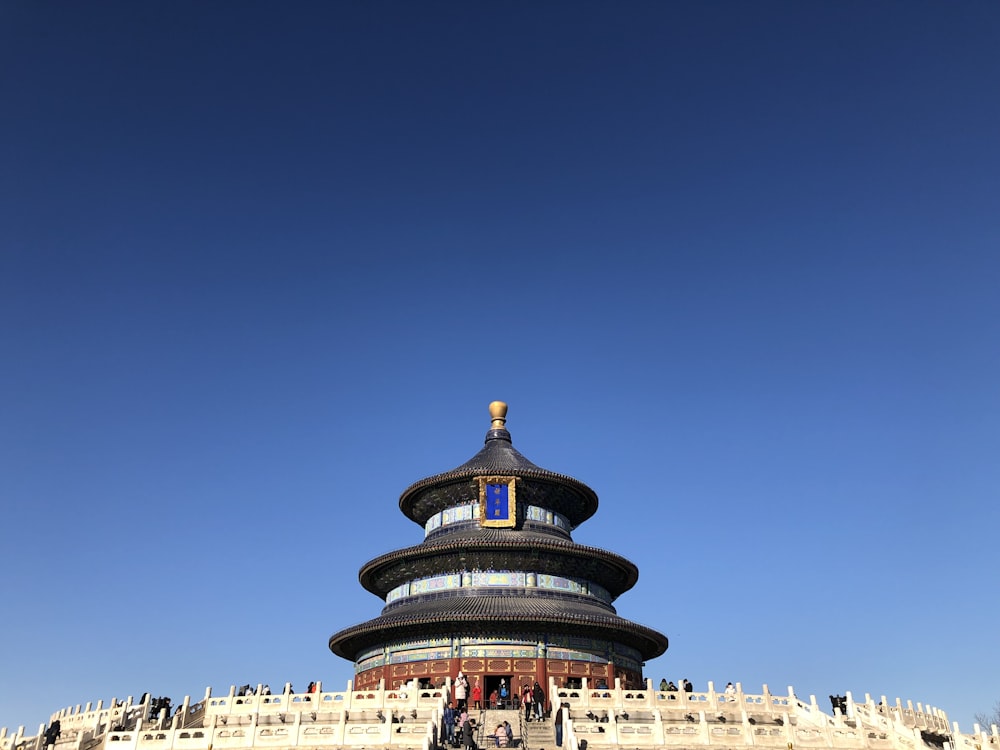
{"points": [[348, 643], [612, 572]]}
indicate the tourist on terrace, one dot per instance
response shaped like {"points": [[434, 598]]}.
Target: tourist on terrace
{"points": [[730, 692], [461, 692], [448, 717], [526, 700], [52, 733], [501, 736], [469, 733], [538, 701], [477, 695]]}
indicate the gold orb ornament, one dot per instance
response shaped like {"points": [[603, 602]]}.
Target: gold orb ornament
{"points": [[498, 415]]}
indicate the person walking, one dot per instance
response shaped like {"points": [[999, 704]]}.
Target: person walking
{"points": [[52, 733], [538, 701], [526, 700], [559, 724], [448, 717]]}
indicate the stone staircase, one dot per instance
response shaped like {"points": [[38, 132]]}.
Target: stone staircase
{"points": [[488, 719], [540, 735]]}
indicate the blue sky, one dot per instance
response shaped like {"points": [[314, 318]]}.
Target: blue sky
{"points": [[734, 265]]}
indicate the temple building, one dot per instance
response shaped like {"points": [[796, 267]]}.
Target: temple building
{"points": [[498, 589]]}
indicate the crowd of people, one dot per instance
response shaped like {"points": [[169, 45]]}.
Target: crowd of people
{"points": [[668, 686], [459, 729], [156, 705], [249, 691], [534, 702]]}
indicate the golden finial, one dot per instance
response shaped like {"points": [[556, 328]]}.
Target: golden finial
{"points": [[498, 413]]}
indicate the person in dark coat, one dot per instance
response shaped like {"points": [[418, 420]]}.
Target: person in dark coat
{"points": [[468, 734], [52, 733], [538, 701]]}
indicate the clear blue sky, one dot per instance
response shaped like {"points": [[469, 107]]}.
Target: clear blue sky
{"points": [[734, 265]]}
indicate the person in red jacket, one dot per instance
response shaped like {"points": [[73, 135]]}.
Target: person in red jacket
{"points": [[477, 695]]}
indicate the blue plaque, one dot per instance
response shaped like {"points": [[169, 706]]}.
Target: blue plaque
{"points": [[497, 501]]}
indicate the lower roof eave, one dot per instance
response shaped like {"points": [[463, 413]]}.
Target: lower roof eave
{"points": [[348, 643]]}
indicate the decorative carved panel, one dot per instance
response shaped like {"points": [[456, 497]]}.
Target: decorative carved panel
{"points": [[579, 668], [557, 667], [498, 665], [524, 665], [472, 665], [369, 679]]}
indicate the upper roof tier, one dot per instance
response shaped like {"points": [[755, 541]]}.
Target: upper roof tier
{"points": [[538, 486]]}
